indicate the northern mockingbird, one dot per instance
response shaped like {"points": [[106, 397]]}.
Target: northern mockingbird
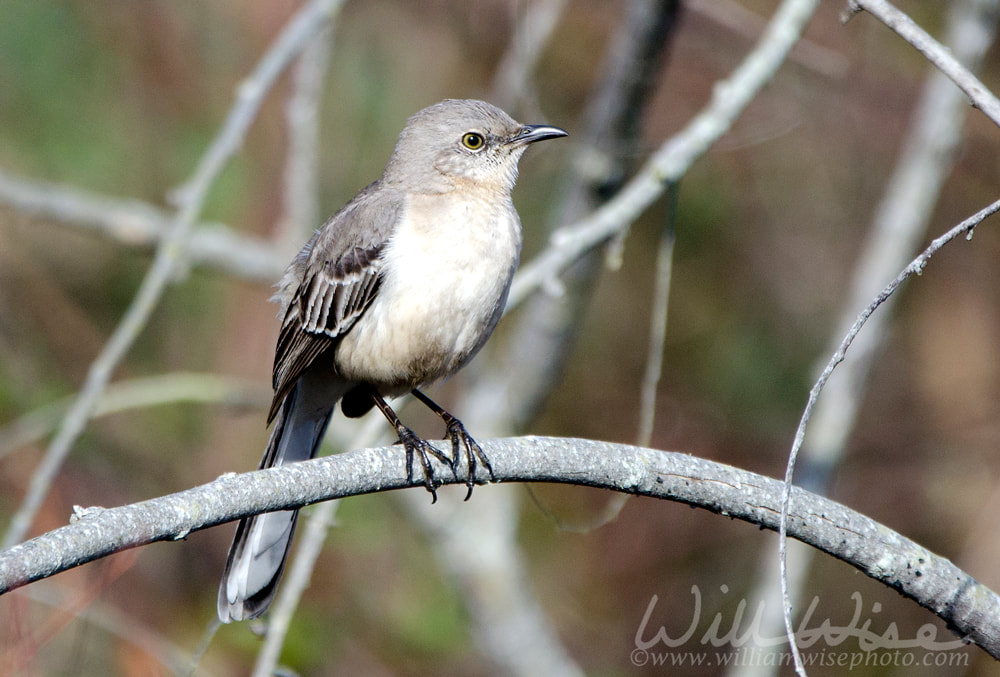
{"points": [[398, 289]]}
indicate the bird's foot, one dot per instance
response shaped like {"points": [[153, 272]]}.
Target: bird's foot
{"points": [[415, 445], [460, 439]]}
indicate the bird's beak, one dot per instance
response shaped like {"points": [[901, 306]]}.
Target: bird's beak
{"points": [[531, 133]]}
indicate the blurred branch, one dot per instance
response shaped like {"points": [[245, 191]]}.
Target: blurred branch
{"points": [[115, 622], [140, 224], [301, 215], [669, 163], [544, 329], [307, 552], [301, 198], [479, 553], [279, 620], [189, 200], [742, 21], [933, 582], [138, 394], [509, 623], [926, 160], [966, 227], [512, 87], [982, 98], [657, 330]]}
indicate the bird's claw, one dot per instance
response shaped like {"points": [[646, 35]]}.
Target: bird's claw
{"points": [[460, 439], [461, 444], [415, 445]]}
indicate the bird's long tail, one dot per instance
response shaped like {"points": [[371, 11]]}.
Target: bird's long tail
{"points": [[257, 555]]}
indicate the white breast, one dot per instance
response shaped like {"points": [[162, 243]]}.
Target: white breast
{"points": [[447, 271]]}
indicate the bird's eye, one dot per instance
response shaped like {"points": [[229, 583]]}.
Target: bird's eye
{"points": [[473, 141]]}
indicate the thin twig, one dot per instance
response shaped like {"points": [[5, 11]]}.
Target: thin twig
{"points": [[189, 199], [967, 606], [493, 579], [981, 97], [742, 21], [293, 587], [915, 267], [115, 622]]}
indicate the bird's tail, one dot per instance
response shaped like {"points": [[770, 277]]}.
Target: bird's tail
{"points": [[257, 555]]}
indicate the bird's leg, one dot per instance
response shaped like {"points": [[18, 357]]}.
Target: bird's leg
{"points": [[460, 438], [411, 443]]}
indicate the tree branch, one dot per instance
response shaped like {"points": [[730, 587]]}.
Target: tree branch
{"points": [[935, 583], [301, 209]]}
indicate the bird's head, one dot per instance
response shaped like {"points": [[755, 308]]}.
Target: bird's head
{"points": [[462, 142]]}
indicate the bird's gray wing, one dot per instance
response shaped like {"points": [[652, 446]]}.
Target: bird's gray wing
{"points": [[332, 282]]}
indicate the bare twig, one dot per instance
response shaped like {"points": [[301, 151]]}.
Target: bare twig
{"points": [[901, 219], [916, 266], [935, 583], [493, 580], [112, 620], [307, 552], [981, 97], [189, 199]]}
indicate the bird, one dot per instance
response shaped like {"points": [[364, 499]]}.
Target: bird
{"points": [[398, 289]]}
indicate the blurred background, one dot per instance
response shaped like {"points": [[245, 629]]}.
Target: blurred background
{"points": [[120, 99]]}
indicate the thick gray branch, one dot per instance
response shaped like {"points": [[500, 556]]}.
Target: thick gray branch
{"points": [[935, 583]]}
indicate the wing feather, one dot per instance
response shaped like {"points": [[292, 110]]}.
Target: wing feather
{"points": [[331, 283]]}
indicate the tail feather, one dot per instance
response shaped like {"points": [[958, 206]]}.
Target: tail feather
{"points": [[260, 547]]}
